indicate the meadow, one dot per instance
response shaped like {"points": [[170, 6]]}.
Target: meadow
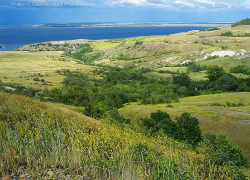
{"points": [[213, 111], [40, 140], [28, 69]]}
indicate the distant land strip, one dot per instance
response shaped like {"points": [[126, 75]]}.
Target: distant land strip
{"points": [[149, 24]]}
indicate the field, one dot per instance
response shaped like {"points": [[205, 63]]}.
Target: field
{"points": [[23, 67], [210, 110]]}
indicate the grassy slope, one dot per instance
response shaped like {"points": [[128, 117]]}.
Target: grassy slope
{"points": [[39, 136], [19, 67], [155, 50], [233, 121]]}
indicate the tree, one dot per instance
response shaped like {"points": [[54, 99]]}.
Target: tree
{"points": [[188, 129], [227, 82], [160, 120], [242, 22], [214, 73], [182, 79]]}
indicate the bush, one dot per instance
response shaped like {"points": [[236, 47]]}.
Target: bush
{"points": [[212, 57], [229, 33], [196, 67], [221, 150], [182, 79], [224, 47], [188, 129], [226, 82], [240, 69], [138, 43], [160, 120], [214, 73], [125, 57]]}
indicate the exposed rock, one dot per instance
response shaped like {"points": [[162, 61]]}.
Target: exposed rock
{"points": [[9, 88], [185, 62], [223, 53], [98, 63]]}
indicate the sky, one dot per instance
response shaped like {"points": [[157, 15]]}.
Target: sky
{"points": [[21, 12]]}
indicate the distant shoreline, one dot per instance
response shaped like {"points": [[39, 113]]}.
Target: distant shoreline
{"points": [[103, 25]]}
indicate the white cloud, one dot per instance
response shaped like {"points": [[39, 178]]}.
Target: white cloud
{"points": [[246, 4], [150, 3], [177, 4], [182, 3], [213, 4], [137, 2]]}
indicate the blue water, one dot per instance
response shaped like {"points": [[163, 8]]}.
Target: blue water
{"points": [[11, 38]]}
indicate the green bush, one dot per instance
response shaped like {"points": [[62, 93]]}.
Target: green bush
{"points": [[137, 43], [221, 150], [188, 129], [160, 120], [229, 33], [240, 69], [182, 79], [214, 73]]}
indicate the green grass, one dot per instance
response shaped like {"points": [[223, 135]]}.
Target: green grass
{"points": [[23, 67], [39, 136], [156, 49], [227, 62], [233, 121]]}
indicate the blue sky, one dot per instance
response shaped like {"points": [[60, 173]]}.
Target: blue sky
{"points": [[25, 12]]}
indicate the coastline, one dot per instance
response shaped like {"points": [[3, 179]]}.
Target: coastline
{"points": [[103, 25]]}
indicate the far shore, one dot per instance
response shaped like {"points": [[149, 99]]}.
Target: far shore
{"points": [[103, 25]]}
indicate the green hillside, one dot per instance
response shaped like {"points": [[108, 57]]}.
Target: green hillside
{"points": [[216, 113], [153, 51], [40, 140], [242, 22]]}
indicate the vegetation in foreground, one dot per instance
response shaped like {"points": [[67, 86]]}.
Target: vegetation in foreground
{"points": [[40, 140]]}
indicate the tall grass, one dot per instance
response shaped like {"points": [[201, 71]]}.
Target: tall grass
{"points": [[36, 136]]}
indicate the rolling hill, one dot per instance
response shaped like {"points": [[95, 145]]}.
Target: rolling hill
{"points": [[40, 140]]}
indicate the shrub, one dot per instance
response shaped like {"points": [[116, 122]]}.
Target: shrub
{"points": [[229, 33], [212, 57], [240, 69], [221, 150], [224, 47], [214, 73], [196, 67], [188, 129], [138, 43], [125, 57], [160, 120], [182, 79], [226, 82]]}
